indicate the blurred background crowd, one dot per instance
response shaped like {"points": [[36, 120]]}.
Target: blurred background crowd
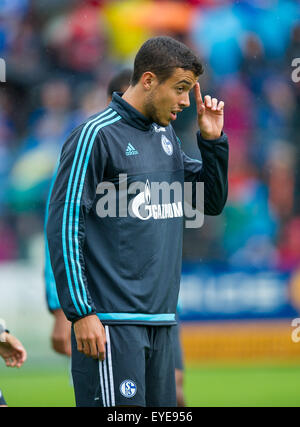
{"points": [[60, 55]]}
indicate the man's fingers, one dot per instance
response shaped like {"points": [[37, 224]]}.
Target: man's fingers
{"points": [[11, 362], [198, 95], [61, 346], [220, 106], [101, 350], [22, 355], [101, 343], [90, 336], [207, 101], [94, 349], [87, 347], [68, 348], [20, 359], [80, 345], [199, 100], [58, 346], [214, 104], [102, 354]]}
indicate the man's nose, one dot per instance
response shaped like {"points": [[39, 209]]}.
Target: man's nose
{"points": [[185, 101]]}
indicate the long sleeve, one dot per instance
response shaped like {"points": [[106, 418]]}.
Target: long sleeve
{"points": [[50, 285], [81, 167], [212, 171]]}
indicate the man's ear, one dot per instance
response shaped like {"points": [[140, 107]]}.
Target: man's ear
{"points": [[148, 80]]}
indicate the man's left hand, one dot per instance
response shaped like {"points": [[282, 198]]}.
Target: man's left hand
{"points": [[210, 115]]}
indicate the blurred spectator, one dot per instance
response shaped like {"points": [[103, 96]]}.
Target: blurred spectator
{"points": [[275, 115], [251, 225], [273, 21], [289, 245], [221, 48], [239, 108], [281, 164], [77, 40], [53, 121], [293, 50], [7, 132], [11, 13], [91, 99], [254, 65]]}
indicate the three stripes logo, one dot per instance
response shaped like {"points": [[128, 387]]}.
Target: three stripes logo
{"points": [[106, 375], [130, 150]]}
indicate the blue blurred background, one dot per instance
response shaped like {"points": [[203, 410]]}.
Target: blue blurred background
{"points": [[240, 267]]}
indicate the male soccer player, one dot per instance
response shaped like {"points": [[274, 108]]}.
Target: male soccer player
{"points": [[12, 351], [118, 276], [61, 334]]}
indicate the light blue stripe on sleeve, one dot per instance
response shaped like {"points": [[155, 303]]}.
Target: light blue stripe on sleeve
{"points": [[51, 292], [162, 317]]}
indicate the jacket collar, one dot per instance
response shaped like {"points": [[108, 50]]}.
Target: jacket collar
{"points": [[129, 113]]}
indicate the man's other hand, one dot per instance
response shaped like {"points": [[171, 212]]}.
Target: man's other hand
{"points": [[12, 351], [90, 337], [61, 334]]}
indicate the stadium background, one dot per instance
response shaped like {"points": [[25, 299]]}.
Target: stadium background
{"points": [[241, 273]]}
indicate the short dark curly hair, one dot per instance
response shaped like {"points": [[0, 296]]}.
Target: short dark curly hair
{"points": [[161, 55], [119, 81]]}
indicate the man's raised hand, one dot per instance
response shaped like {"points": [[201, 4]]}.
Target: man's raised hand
{"points": [[210, 115]]}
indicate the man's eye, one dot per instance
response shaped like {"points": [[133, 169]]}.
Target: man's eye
{"points": [[180, 89]]}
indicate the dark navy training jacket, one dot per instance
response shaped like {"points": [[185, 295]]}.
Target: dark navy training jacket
{"points": [[125, 269]]}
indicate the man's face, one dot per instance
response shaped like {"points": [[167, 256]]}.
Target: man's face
{"points": [[167, 99]]}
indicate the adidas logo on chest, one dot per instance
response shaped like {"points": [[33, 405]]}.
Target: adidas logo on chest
{"points": [[130, 150]]}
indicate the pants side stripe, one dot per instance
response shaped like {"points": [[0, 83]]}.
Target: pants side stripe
{"points": [[102, 383], [109, 360], [106, 384]]}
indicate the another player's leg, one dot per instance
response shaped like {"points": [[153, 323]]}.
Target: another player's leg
{"points": [[2, 400], [179, 387], [179, 368]]}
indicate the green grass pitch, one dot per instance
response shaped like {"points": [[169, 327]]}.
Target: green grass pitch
{"points": [[213, 385]]}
